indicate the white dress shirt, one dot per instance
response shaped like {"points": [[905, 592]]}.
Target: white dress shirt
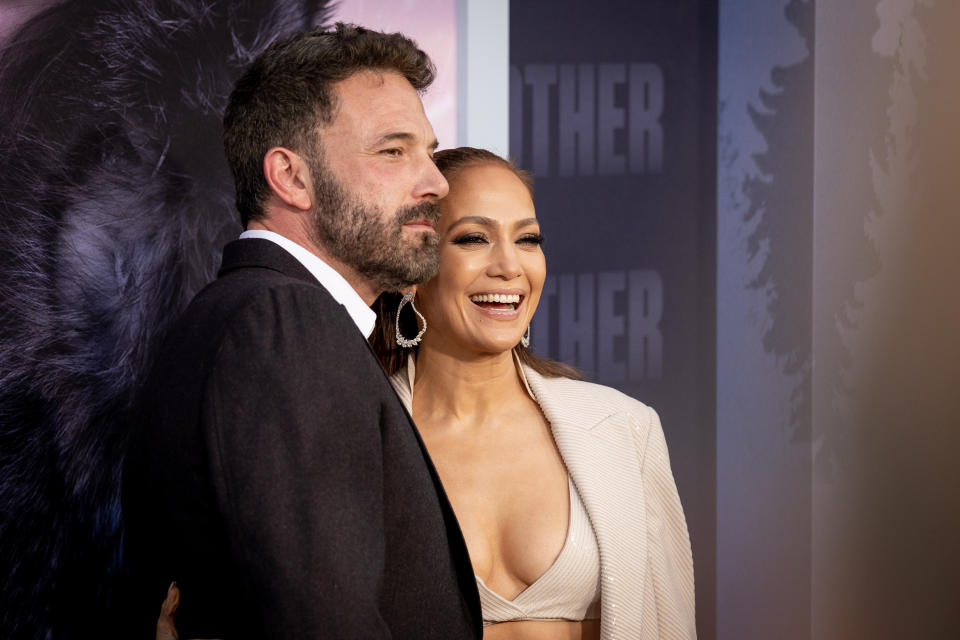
{"points": [[338, 287]]}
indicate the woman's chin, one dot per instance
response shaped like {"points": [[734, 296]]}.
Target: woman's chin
{"points": [[499, 345], [478, 341]]}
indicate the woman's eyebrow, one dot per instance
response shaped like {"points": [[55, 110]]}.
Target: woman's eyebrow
{"points": [[481, 220], [490, 222]]}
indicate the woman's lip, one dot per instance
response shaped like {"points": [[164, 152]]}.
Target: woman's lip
{"points": [[499, 314]]}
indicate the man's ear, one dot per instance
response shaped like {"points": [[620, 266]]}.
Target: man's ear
{"points": [[289, 177]]}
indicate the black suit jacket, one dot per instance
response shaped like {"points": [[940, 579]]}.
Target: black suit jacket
{"points": [[275, 475]]}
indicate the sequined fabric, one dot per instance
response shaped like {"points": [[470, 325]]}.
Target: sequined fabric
{"points": [[568, 590]]}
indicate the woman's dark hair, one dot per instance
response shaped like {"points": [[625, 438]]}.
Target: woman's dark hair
{"points": [[451, 163], [287, 91]]}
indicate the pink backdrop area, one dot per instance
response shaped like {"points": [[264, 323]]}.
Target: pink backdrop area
{"points": [[433, 24], [13, 13]]}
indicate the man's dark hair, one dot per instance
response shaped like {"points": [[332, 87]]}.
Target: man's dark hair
{"points": [[286, 92]]}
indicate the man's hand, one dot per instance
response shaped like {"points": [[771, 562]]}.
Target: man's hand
{"points": [[166, 623]]}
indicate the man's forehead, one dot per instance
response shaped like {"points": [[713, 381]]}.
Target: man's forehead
{"points": [[372, 82], [381, 106], [370, 77]]}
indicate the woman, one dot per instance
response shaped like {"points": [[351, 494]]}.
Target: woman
{"points": [[562, 488]]}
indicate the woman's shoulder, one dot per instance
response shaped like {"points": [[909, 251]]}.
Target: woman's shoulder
{"points": [[590, 395]]}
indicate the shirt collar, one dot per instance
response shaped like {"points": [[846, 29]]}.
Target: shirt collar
{"points": [[338, 287]]}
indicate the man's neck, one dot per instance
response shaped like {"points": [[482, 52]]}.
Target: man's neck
{"points": [[296, 233]]}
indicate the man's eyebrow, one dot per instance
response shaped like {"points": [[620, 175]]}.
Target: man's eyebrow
{"points": [[396, 135], [404, 137]]}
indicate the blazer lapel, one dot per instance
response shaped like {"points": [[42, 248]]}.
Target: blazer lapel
{"points": [[402, 384], [599, 448]]}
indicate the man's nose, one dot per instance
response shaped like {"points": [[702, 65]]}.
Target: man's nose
{"points": [[431, 183]]}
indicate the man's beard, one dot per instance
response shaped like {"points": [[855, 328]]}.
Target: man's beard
{"points": [[358, 235]]}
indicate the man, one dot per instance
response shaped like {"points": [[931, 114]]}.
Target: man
{"points": [[275, 475]]}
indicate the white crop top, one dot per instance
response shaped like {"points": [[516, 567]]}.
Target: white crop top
{"points": [[568, 590]]}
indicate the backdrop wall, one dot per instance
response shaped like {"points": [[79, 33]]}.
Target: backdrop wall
{"points": [[837, 417], [613, 111]]}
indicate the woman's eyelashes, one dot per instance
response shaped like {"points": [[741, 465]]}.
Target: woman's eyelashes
{"points": [[529, 240], [470, 238]]}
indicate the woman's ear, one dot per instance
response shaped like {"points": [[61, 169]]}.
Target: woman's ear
{"points": [[289, 177]]}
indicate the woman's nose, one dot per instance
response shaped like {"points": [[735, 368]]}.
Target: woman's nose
{"points": [[505, 263]]}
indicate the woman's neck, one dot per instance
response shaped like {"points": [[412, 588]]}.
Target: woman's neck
{"points": [[453, 389]]}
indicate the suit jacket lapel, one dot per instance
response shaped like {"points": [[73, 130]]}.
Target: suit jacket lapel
{"points": [[599, 448], [402, 384]]}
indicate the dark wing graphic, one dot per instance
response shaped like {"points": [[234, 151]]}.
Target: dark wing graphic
{"points": [[114, 204]]}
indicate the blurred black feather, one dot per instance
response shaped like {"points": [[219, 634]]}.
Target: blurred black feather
{"points": [[114, 204]]}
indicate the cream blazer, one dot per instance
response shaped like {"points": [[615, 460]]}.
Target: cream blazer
{"points": [[615, 452]]}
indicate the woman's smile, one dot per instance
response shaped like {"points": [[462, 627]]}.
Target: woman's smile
{"points": [[499, 304]]}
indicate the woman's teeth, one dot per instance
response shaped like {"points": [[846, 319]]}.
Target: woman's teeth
{"points": [[503, 301], [503, 298]]}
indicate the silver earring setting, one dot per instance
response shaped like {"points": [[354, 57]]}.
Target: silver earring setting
{"points": [[403, 342], [525, 339]]}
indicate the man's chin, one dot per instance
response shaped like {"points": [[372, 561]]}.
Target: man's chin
{"points": [[402, 272], [402, 279], [423, 236], [424, 250]]}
